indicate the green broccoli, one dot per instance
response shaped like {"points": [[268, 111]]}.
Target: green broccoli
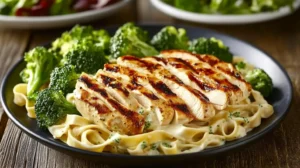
{"points": [[51, 107], [211, 46], [170, 38], [77, 34], [85, 58], [131, 40], [64, 79], [102, 39], [260, 81], [40, 63]]}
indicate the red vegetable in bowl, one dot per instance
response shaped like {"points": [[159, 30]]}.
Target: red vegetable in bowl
{"points": [[82, 5], [40, 9], [52, 7]]}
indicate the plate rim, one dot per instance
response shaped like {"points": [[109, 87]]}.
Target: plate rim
{"points": [[223, 19], [205, 153]]}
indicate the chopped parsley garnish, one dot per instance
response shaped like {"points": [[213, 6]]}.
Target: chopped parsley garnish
{"points": [[210, 130], [166, 144], [144, 145], [235, 114], [153, 146], [117, 140], [238, 115], [147, 125], [246, 120], [141, 111]]}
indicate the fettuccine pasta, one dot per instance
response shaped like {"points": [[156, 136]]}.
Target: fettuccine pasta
{"points": [[229, 124], [232, 122]]}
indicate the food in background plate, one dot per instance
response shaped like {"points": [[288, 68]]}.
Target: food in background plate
{"points": [[120, 94], [229, 6], [49, 7]]}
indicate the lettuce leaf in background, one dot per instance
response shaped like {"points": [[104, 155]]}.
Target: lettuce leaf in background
{"points": [[61, 7], [229, 6], [222, 5], [269, 5], [6, 6], [23, 4]]}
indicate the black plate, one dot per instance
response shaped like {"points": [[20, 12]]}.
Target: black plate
{"points": [[280, 99]]}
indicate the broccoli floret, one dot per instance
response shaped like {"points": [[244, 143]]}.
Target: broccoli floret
{"points": [[211, 46], [102, 39], [40, 63], [85, 58], [131, 40], [77, 34], [64, 79], [170, 38], [51, 107], [260, 81]]}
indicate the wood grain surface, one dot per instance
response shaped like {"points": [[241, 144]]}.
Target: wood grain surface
{"points": [[279, 148]]}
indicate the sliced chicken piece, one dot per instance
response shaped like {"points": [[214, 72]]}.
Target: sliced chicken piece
{"points": [[118, 91], [113, 114], [163, 111], [151, 87], [204, 84], [226, 73], [195, 100]]}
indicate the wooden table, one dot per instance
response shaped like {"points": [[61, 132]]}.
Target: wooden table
{"points": [[280, 38]]}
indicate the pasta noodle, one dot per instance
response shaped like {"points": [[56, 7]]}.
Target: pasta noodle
{"points": [[20, 99]]}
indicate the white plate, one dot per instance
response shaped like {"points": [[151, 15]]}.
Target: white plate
{"points": [[222, 19], [59, 21]]}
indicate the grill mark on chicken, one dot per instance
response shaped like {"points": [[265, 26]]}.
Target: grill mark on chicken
{"points": [[224, 69], [162, 88], [154, 67], [202, 85], [203, 103], [114, 84], [111, 68], [212, 61], [232, 73], [184, 108], [131, 73], [128, 113], [223, 84], [165, 110], [134, 117], [102, 109], [150, 95]]}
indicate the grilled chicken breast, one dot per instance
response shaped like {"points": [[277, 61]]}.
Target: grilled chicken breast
{"points": [[136, 95]]}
